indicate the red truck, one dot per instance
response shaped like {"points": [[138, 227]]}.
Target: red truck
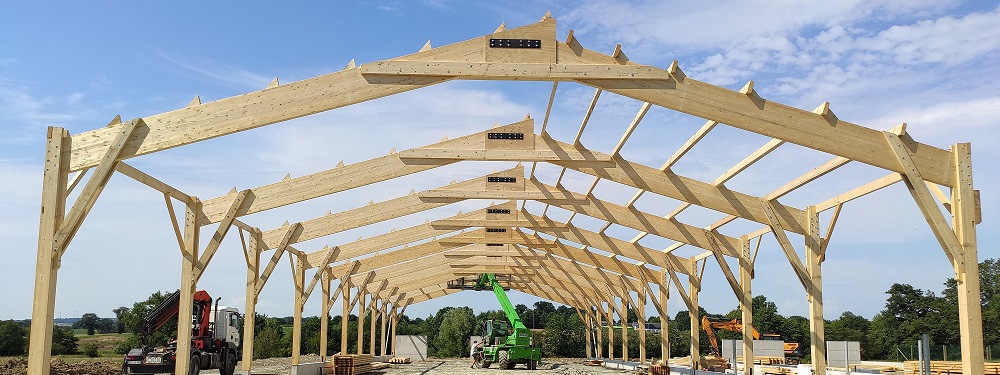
{"points": [[215, 338]]}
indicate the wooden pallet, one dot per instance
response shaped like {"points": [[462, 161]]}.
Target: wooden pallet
{"points": [[776, 370], [947, 368]]}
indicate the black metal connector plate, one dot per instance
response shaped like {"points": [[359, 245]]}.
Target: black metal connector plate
{"points": [[496, 230], [501, 179], [494, 244], [497, 211], [505, 135], [515, 43]]}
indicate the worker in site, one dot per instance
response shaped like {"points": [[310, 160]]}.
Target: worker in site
{"points": [[474, 353]]}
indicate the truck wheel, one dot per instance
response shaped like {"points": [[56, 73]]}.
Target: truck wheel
{"points": [[486, 364], [229, 365], [504, 362], [195, 366], [792, 361]]}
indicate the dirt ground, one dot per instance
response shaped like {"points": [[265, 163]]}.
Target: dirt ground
{"points": [[563, 366], [281, 366]]}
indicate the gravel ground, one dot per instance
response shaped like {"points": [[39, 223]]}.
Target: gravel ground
{"points": [[563, 366]]}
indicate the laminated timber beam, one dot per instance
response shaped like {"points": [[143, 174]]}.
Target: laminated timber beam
{"points": [[673, 90], [365, 215], [341, 178]]}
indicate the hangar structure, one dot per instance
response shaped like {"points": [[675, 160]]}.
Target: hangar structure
{"points": [[554, 260]]}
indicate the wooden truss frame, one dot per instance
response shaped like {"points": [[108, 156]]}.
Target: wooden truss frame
{"points": [[376, 274]]}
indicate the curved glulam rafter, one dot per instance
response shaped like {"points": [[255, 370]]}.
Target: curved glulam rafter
{"points": [[914, 163]]}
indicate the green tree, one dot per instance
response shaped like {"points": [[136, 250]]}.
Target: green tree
{"points": [[564, 336], [13, 338], [90, 350], [456, 328], [849, 327], [132, 319], [119, 315], [88, 321], [63, 340]]}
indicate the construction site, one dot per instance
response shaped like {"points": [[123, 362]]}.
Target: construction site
{"points": [[513, 240]]}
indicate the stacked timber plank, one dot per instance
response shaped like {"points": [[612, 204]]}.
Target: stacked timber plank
{"points": [[352, 364], [400, 360], [659, 370], [777, 370], [947, 367]]}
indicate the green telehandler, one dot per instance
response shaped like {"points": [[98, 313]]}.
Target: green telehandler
{"points": [[506, 343]]}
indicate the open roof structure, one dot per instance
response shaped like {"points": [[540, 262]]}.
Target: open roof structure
{"points": [[551, 258]]}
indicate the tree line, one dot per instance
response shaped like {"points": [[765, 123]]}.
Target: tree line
{"points": [[891, 334]]}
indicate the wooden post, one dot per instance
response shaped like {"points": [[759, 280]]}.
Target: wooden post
{"points": [[47, 264], [371, 327], [395, 321], [623, 313], [253, 274], [589, 340], [381, 329], [746, 305], [346, 293], [970, 315], [300, 279], [598, 333], [814, 261], [189, 259], [694, 286], [324, 317], [609, 316], [664, 319], [641, 305], [361, 321]]}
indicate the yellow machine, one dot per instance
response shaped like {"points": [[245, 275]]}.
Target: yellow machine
{"points": [[792, 354]]}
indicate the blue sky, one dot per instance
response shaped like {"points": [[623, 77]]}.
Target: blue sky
{"points": [[930, 63]]}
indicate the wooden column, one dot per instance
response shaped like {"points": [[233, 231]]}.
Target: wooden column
{"points": [[664, 319], [623, 313], [598, 333], [47, 264], [371, 327], [746, 305], [189, 258], [609, 316], [814, 260], [361, 321], [590, 331], [641, 294], [395, 321], [324, 320], [381, 329], [253, 275], [299, 279], [694, 286], [346, 301], [965, 216]]}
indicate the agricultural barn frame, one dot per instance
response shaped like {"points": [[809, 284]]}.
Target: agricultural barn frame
{"points": [[540, 253]]}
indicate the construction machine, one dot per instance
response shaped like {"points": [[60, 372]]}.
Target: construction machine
{"points": [[710, 324], [505, 342], [215, 338]]}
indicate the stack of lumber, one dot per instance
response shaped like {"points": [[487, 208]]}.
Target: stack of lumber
{"points": [[400, 360], [594, 362], [777, 370], [352, 364], [708, 362], [659, 370], [947, 367]]}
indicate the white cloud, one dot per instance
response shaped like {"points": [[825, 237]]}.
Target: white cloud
{"points": [[720, 23], [948, 39], [215, 72]]}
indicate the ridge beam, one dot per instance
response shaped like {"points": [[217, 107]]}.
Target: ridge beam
{"points": [[513, 71]]}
